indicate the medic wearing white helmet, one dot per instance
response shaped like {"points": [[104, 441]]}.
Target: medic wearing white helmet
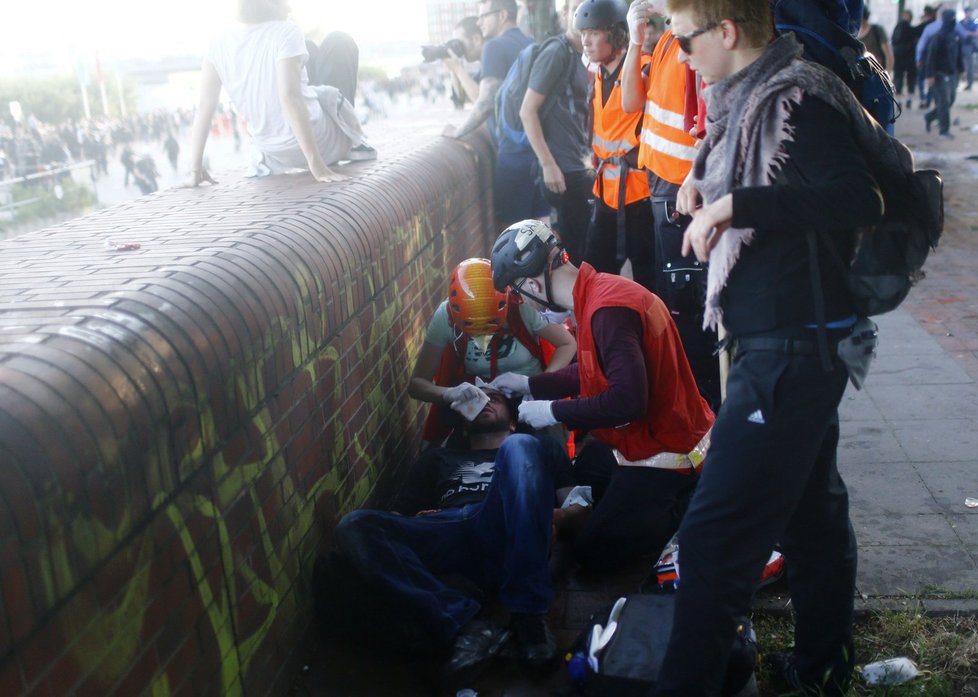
{"points": [[632, 388]]}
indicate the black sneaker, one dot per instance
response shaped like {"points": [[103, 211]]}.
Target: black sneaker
{"points": [[361, 153], [785, 673], [536, 647], [476, 644]]}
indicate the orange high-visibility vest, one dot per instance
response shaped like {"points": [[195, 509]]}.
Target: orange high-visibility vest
{"points": [[666, 148], [676, 416], [614, 136]]}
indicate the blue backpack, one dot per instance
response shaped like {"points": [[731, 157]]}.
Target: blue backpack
{"points": [[827, 31], [509, 98]]}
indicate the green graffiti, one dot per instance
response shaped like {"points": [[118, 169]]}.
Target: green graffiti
{"points": [[267, 574]]}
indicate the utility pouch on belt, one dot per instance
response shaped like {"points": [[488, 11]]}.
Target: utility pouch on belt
{"points": [[858, 350]]}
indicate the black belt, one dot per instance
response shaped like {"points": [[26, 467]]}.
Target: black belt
{"points": [[771, 343]]}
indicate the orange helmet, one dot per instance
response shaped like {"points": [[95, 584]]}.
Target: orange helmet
{"points": [[474, 306]]}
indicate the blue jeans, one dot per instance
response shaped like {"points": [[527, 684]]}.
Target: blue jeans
{"points": [[502, 544], [770, 476]]}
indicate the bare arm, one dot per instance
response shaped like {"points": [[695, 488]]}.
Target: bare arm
{"points": [[288, 72], [210, 92], [888, 52], [633, 88], [421, 386], [484, 104], [553, 178], [562, 340], [470, 86]]}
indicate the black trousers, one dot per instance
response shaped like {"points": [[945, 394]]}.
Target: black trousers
{"points": [[905, 67], [601, 249], [573, 212], [335, 62], [637, 509], [770, 476]]}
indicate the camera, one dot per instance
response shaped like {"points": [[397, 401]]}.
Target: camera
{"points": [[433, 53]]}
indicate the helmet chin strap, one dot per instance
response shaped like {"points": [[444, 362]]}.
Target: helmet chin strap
{"points": [[548, 287]]}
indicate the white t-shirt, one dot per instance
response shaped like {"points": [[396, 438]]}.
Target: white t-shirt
{"points": [[246, 57], [513, 357]]}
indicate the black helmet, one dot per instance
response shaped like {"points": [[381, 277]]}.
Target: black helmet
{"points": [[600, 14], [521, 251]]}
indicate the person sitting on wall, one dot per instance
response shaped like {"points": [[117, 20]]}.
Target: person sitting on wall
{"points": [[485, 511], [261, 63], [480, 332]]}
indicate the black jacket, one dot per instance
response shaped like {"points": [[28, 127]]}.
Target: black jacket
{"points": [[829, 190]]}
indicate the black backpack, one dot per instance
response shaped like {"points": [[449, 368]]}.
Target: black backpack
{"points": [[889, 258], [628, 664], [509, 98]]}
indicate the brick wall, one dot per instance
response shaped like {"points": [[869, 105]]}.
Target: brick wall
{"points": [[182, 425]]}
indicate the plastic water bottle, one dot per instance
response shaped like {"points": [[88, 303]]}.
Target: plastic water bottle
{"points": [[892, 671]]}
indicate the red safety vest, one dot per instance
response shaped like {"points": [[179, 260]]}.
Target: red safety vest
{"points": [[614, 136], [666, 148], [451, 370], [676, 416]]}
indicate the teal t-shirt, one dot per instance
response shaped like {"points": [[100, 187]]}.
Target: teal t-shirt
{"points": [[513, 357]]}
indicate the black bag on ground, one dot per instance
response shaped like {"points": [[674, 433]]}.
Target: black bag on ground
{"points": [[627, 661]]}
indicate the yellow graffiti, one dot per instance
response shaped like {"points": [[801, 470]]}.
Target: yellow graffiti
{"points": [[113, 636]]}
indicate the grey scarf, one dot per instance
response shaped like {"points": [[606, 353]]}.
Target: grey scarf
{"points": [[759, 100]]}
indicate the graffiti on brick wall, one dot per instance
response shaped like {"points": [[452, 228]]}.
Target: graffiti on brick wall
{"points": [[223, 559]]}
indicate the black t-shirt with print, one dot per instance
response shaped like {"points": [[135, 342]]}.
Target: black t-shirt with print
{"points": [[450, 478]]}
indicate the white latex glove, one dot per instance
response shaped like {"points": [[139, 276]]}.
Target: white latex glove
{"points": [[537, 413], [512, 384], [638, 18], [466, 392]]}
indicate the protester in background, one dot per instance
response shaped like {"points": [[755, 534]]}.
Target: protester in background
{"points": [[928, 27], [968, 31], [942, 66], [784, 164], [876, 41], [621, 227], [904, 66], [172, 148], [559, 138], [261, 63]]}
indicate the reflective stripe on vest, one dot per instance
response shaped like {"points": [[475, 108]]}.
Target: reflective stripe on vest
{"points": [[614, 136], [666, 148]]}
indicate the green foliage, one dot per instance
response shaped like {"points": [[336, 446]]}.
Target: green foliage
{"points": [[42, 202], [57, 98]]}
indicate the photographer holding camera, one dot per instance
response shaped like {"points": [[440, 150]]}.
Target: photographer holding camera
{"points": [[503, 43], [461, 55]]}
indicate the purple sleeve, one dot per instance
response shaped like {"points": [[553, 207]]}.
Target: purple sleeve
{"points": [[565, 382], [617, 335]]}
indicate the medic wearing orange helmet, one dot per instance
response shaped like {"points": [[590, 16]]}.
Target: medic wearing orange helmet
{"points": [[480, 332]]}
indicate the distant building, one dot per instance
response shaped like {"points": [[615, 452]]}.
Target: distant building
{"points": [[443, 15]]}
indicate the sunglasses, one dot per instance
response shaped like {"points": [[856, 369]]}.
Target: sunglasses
{"points": [[488, 14], [685, 41]]}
